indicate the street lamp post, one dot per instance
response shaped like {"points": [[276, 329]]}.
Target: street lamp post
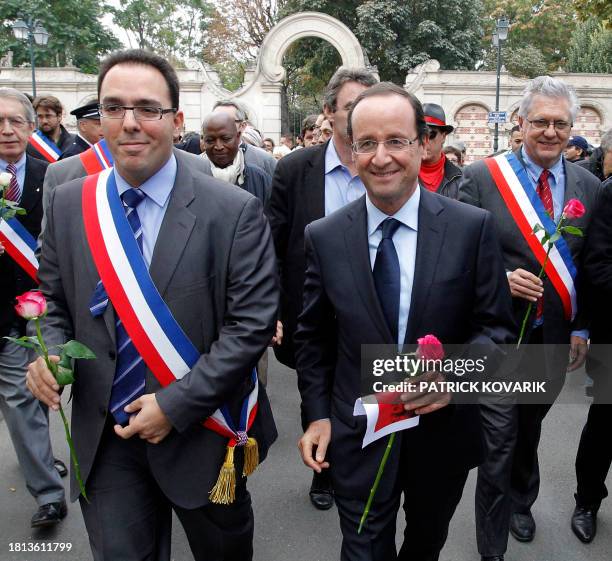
{"points": [[33, 32], [500, 35]]}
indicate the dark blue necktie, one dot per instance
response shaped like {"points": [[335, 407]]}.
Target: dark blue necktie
{"points": [[387, 275], [129, 381]]}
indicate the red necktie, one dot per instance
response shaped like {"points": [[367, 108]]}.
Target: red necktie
{"points": [[13, 192], [545, 194]]}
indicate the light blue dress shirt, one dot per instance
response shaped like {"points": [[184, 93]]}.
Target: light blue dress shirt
{"points": [[152, 209], [341, 187], [405, 242], [556, 180], [20, 166]]}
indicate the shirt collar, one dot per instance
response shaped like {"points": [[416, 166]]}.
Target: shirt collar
{"points": [[332, 160], [556, 169], [408, 215], [84, 139], [158, 187], [19, 164]]}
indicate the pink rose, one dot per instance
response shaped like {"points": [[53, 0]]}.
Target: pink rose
{"points": [[430, 348], [574, 209], [31, 305]]}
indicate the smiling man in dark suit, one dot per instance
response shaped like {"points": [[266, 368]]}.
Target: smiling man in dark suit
{"points": [[206, 248], [508, 482], [25, 418], [447, 279]]}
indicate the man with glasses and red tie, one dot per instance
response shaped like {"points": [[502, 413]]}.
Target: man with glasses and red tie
{"points": [[25, 418], [438, 174], [530, 185]]}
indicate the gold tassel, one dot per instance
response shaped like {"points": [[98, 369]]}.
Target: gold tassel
{"points": [[224, 491], [251, 457]]}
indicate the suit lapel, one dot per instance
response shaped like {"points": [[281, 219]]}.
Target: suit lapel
{"points": [[32, 186], [314, 185], [356, 243], [175, 230], [430, 236], [573, 185]]}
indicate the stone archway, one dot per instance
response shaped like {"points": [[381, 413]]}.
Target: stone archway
{"points": [[261, 92], [307, 24]]}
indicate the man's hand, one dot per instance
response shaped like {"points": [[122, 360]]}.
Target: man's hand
{"points": [[421, 403], [1, 249], [526, 285], [149, 423], [578, 352], [278, 336], [317, 436], [41, 382]]}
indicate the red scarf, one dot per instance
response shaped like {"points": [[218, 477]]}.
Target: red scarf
{"points": [[431, 175]]}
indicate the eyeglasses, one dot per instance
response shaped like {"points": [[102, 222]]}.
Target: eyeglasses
{"points": [[141, 113], [391, 145], [14, 122], [543, 124]]}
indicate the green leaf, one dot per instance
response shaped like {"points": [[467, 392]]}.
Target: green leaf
{"points": [[64, 376], [537, 228], [74, 349], [27, 342], [545, 238], [555, 237], [572, 230]]}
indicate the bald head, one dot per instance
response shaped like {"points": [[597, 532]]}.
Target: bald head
{"points": [[220, 139]]}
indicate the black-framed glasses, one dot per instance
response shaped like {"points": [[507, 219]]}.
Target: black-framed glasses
{"points": [[543, 124], [141, 112], [391, 145]]}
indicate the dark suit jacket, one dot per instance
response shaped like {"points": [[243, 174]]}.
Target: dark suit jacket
{"points": [[460, 294], [477, 188], [13, 279], [297, 199], [214, 266], [79, 145], [65, 140]]}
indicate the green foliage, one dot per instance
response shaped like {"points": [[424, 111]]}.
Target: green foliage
{"points": [[77, 35], [398, 35], [544, 25], [598, 9], [159, 25], [590, 49], [522, 62]]}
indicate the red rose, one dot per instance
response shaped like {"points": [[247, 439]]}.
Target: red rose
{"points": [[574, 209], [31, 305], [430, 348]]}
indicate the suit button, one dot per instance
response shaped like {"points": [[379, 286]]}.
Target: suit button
{"points": [[112, 355]]}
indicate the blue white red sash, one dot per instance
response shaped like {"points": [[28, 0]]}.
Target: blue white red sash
{"points": [[527, 210], [45, 146], [157, 336], [96, 158], [20, 245]]}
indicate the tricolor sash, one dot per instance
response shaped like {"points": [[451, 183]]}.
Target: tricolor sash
{"points": [[157, 336], [527, 210], [96, 158], [45, 146], [20, 245]]}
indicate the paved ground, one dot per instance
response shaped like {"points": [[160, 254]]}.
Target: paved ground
{"points": [[289, 529]]}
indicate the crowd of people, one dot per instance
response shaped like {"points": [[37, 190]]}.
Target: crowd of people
{"points": [[179, 259]]}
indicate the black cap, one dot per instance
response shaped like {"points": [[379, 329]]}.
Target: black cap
{"points": [[435, 117], [89, 111]]}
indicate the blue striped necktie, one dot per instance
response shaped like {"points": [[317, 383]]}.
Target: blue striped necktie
{"points": [[129, 382]]}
